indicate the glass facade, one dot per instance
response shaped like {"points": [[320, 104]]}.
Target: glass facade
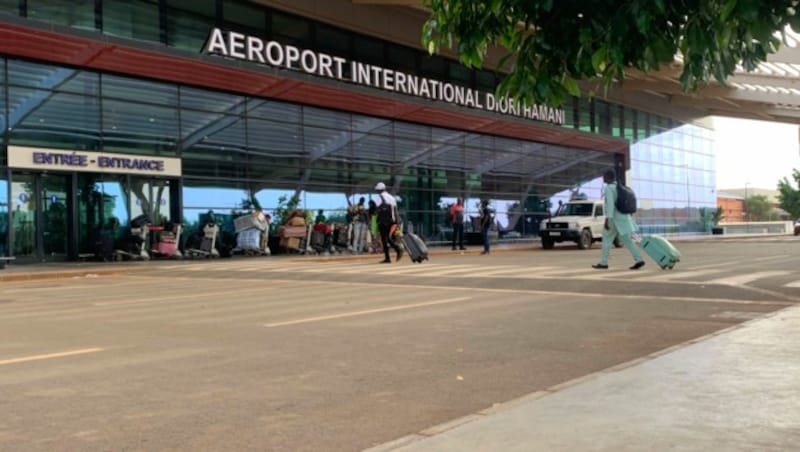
{"points": [[236, 148]]}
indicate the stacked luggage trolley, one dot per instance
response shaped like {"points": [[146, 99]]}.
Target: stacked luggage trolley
{"points": [[252, 235]]}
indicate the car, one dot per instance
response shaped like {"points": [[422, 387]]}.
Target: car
{"points": [[797, 227], [580, 221]]}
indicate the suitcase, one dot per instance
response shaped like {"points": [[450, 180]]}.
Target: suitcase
{"points": [[416, 248], [661, 251]]}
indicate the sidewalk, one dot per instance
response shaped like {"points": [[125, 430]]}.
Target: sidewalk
{"points": [[734, 390], [53, 270], [31, 272]]}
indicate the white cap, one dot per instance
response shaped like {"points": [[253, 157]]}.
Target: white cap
{"points": [[380, 187]]}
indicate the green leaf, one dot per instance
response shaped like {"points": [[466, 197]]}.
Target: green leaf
{"points": [[727, 9], [572, 87], [599, 59]]}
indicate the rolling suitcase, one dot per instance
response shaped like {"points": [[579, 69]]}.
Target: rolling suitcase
{"points": [[416, 248], [661, 251]]}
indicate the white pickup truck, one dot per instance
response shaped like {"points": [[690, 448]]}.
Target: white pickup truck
{"points": [[579, 221]]}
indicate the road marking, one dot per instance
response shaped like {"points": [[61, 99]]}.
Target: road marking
{"points": [[512, 269], [366, 312], [793, 284], [50, 355], [740, 280]]}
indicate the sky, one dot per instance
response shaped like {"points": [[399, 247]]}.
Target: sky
{"points": [[759, 153]]}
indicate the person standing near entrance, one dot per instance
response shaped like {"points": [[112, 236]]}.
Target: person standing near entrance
{"points": [[386, 212], [617, 224], [358, 221], [486, 221], [457, 217]]}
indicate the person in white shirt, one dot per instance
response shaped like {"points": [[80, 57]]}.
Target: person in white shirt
{"points": [[387, 218]]}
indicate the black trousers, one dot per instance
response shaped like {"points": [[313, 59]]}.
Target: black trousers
{"points": [[458, 235], [387, 240]]}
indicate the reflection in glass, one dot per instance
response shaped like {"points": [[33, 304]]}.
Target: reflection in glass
{"points": [[23, 215], [137, 19], [59, 120], [55, 214], [72, 13], [188, 23], [4, 229]]}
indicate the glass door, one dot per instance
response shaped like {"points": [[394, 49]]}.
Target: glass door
{"points": [[54, 227], [41, 209], [23, 215]]}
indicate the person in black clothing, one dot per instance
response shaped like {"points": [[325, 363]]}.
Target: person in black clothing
{"points": [[387, 222], [486, 224]]}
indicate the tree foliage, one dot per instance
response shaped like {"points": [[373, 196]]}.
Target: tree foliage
{"points": [[757, 208], [789, 196], [551, 45]]}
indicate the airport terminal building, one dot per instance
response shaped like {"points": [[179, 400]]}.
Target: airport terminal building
{"points": [[174, 108]]}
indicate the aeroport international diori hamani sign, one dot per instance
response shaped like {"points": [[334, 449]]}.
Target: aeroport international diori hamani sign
{"points": [[273, 53]]}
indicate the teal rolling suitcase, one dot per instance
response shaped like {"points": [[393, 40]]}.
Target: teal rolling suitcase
{"points": [[661, 251]]}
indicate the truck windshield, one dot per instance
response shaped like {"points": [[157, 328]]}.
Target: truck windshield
{"points": [[581, 210]]}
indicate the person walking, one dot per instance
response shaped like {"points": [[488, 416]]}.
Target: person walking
{"points": [[387, 214], [617, 224], [486, 224], [457, 217]]}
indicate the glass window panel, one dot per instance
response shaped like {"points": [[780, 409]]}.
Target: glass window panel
{"points": [[72, 13], [336, 120], [213, 131], [218, 198], [136, 19], [368, 50], [205, 160], [242, 16], [402, 58], [434, 67], [459, 74], [49, 77], [486, 81], [212, 101], [9, 6], [139, 128], [269, 138], [290, 29], [321, 143], [333, 41], [62, 120], [275, 111], [123, 88], [188, 23]]}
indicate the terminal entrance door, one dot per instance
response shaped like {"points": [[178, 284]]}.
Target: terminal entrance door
{"points": [[41, 208]]}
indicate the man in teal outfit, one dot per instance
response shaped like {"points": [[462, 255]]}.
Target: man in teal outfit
{"points": [[617, 225]]}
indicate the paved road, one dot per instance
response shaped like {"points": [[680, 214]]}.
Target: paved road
{"points": [[306, 354]]}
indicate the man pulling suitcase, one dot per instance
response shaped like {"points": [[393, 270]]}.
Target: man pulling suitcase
{"points": [[617, 224]]}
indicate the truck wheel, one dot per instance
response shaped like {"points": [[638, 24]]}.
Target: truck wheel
{"points": [[585, 242], [548, 244]]}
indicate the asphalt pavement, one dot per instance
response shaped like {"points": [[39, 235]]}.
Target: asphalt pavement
{"points": [[344, 354]]}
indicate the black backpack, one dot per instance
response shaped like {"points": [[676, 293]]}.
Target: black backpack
{"points": [[384, 213], [626, 199]]}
